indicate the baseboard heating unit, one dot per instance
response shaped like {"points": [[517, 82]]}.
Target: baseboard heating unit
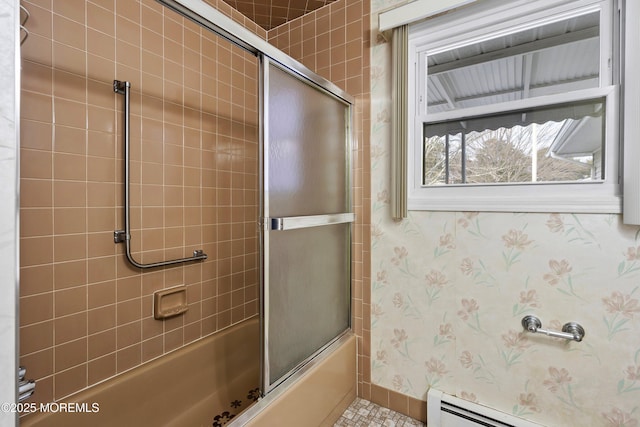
{"points": [[444, 410]]}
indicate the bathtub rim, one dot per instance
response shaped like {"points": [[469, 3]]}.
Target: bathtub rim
{"points": [[264, 402]]}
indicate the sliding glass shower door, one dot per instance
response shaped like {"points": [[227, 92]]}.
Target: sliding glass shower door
{"points": [[306, 217]]}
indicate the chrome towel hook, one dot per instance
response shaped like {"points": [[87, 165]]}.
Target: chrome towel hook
{"points": [[570, 331]]}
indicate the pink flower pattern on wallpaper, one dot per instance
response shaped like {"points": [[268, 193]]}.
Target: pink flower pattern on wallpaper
{"points": [[398, 382], [555, 223], [560, 277], [469, 308], [618, 418], [527, 402], [471, 397], [516, 340], [633, 253], [445, 334], [466, 359], [383, 197], [399, 337], [436, 370], [558, 378], [446, 243], [618, 303], [633, 373], [622, 308], [630, 263], [515, 343], [401, 253], [516, 239], [559, 269], [376, 310], [398, 300], [527, 301], [469, 314], [466, 218], [466, 266], [560, 383]]}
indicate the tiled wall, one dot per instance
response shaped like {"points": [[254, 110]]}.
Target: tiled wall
{"points": [[86, 314], [334, 42]]}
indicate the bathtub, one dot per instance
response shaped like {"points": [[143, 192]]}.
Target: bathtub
{"points": [[209, 382], [217, 376]]}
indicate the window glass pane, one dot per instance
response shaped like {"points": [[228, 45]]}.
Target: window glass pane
{"points": [[560, 143], [554, 58]]}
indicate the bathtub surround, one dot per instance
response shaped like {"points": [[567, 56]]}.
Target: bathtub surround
{"points": [[88, 312], [9, 137], [449, 290]]}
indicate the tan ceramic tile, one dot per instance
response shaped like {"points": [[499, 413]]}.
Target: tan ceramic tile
{"points": [[69, 381], [35, 135], [71, 9], [152, 19], [152, 348], [101, 368], [70, 301], [36, 222], [70, 354], [99, 295], [69, 247], [100, 19], [128, 311], [40, 364], [70, 167], [36, 280], [36, 250], [36, 337], [101, 269], [70, 328], [69, 32], [69, 274], [101, 344], [69, 220], [36, 309], [128, 334]]}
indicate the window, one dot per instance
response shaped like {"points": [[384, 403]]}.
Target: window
{"points": [[515, 107]]}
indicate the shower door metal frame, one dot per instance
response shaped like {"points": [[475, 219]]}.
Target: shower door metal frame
{"points": [[268, 224], [216, 22]]}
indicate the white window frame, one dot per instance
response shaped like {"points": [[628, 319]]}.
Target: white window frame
{"points": [[487, 20]]}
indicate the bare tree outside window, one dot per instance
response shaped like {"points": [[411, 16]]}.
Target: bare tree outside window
{"points": [[519, 154]]}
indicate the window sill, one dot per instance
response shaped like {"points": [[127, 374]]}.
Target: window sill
{"points": [[518, 198]]}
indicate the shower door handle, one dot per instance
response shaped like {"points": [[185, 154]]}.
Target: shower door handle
{"points": [[296, 222]]}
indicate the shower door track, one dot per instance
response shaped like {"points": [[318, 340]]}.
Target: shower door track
{"points": [[124, 236]]}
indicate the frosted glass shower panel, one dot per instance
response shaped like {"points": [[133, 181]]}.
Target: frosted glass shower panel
{"points": [[308, 293], [307, 153], [307, 222]]}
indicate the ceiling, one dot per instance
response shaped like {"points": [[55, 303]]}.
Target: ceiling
{"points": [[271, 13]]}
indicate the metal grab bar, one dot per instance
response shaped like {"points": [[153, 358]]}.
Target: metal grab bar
{"points": [[124, 236], [570, 331]]}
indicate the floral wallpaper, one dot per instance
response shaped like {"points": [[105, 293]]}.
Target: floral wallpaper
{"points": [[449, 290]]}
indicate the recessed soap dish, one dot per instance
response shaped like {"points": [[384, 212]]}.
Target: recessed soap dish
{"points": [[170, 302]]}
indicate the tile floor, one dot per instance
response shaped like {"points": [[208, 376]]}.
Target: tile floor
{"points": [[362, 413]]}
